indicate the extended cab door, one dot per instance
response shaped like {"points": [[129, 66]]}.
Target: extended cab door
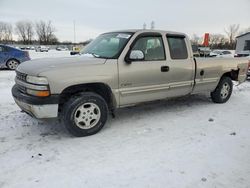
{"points": [[181, 65], [167, 69], [145, 79]]}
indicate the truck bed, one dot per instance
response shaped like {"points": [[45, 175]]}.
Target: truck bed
{"points": [[210, 70]]}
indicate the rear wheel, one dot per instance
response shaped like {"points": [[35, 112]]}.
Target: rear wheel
{"points": [[223, 91], [85, 114], [12, 64]]}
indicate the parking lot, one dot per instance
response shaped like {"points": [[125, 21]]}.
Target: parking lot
{"points": [[186, 142]]}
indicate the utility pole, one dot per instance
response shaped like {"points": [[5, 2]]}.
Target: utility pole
{"points": [[74, 32]]}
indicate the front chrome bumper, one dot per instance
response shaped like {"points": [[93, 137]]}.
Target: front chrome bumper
{"points": [[39, 111], [38, 107]]}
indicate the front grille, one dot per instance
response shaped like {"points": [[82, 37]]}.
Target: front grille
{"points": [[21, 89], [21, 76]]}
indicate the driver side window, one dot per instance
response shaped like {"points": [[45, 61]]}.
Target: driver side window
{"points": [[152, 48]]}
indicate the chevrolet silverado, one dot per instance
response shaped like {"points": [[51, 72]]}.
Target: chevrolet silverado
{"points": [[120, 69]]}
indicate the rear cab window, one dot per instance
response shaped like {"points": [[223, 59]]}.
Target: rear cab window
{"points": [[177, 47]]}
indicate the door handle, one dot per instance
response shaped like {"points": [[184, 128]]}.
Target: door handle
{"points": [[164, 68], [202, 72]]}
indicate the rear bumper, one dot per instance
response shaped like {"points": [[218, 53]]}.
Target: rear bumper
{"points": [[24, 59], [40, 108]]}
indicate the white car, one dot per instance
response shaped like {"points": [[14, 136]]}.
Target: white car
{"points": [[62, 48], [221, 53], [42, 49]]}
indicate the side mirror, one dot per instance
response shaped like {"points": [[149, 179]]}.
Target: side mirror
{"points": [[134, 55]]}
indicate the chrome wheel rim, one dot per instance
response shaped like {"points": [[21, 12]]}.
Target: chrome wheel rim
{"points": [[225, 91], [87, 115], [12, 64]]}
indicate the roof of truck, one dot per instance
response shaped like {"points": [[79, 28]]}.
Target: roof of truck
{"points": [[147, 30]]}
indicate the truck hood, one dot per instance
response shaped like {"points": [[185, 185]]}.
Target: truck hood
{"points": [[37, 66]]}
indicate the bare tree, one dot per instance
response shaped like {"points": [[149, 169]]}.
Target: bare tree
{"points": [[5, 32], [29, 31], [46, 32], [8, 32], [1, 30], [217, 41], [20, 30], [25, 31], [216, 38], [195, 39], [232, 31]]}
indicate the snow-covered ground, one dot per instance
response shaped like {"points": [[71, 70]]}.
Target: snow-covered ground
{"points": [[188, 142], [51, 53]]}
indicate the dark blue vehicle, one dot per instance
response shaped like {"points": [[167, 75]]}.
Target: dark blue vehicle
{"points": [[11, 57]]}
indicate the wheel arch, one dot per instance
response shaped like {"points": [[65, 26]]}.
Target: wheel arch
{"points": [[233, 74], [100, 88]]}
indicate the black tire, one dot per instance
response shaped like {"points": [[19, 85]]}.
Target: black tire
{"points": [[12, 64], [219, 95], [75, 104]]}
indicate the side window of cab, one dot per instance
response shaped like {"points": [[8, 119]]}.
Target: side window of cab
{"points": [[151, 46], [177, 47]]}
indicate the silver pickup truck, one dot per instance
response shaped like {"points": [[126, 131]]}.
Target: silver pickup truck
{"points": [[120, 69]]}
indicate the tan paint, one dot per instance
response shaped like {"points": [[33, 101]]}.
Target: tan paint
{"points": [[143, 81]]}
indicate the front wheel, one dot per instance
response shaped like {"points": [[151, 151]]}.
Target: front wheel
{"points": [[223, 91], [85, 114]]}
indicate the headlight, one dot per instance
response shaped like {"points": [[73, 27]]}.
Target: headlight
{"points": [[37, 80], [37, 86]]}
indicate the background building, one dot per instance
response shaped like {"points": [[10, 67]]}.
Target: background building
{"points": [[243, 44]]}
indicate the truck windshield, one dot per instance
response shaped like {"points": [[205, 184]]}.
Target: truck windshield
{"points": [[108, 45]]}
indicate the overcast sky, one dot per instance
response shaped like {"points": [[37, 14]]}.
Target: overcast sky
{"points": [[93, 17]]}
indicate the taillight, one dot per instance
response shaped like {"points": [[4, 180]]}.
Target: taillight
{"points": [[249, 64], [26, 53]]}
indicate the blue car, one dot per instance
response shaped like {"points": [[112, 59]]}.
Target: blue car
{"points": [[11, 57]]}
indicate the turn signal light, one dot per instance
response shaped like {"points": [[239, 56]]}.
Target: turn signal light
{"points": [[42, 93], [45, 93]]}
